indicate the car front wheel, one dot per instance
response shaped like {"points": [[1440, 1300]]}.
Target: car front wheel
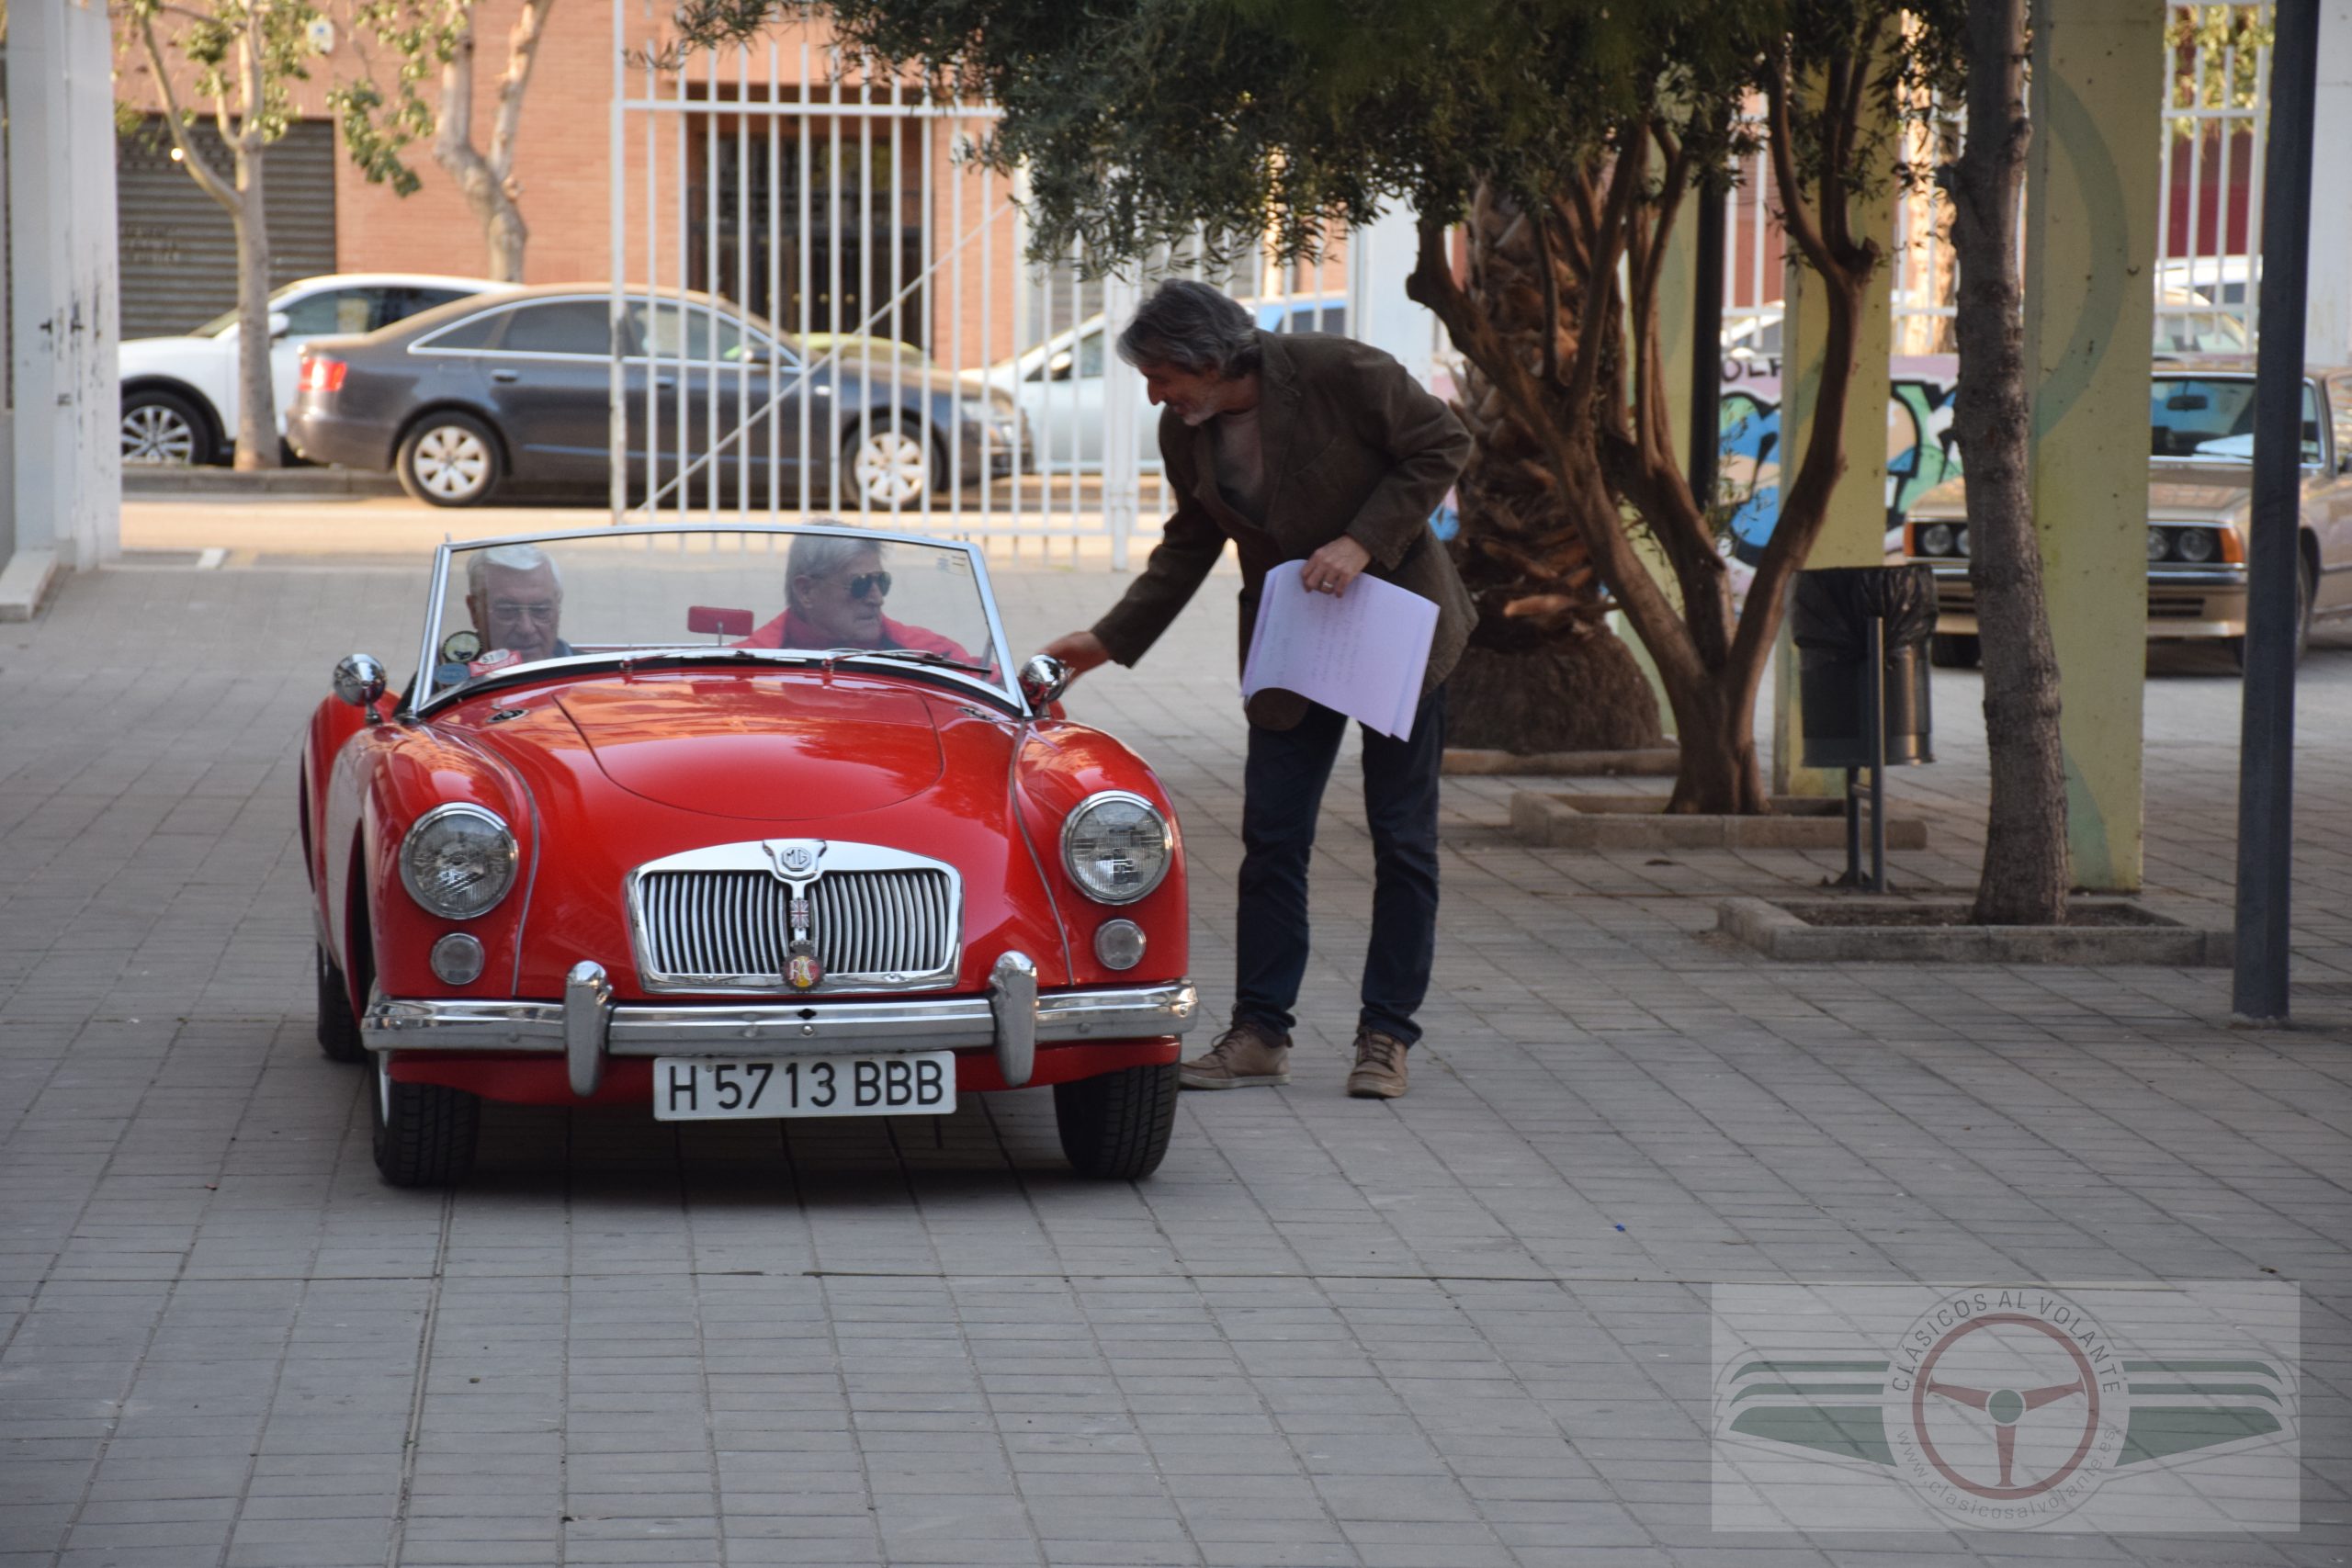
{"points": [[424, 1133], [450, 460], [163, 430], [1118, 1126], [1950, 650], [889, 464], [338, 1025]]}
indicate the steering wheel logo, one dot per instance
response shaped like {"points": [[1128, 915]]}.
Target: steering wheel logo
{"points": [[2006, 1421]]}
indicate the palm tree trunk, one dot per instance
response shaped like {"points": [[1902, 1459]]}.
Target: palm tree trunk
{"points": [[1542, 671]]}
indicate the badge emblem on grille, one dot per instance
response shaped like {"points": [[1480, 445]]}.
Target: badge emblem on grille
{"points": [[795, 858], [804, 971]]}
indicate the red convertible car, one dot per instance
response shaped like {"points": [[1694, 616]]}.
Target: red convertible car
{"points": [[736, 822]]}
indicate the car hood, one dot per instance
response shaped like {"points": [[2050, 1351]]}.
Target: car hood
{"points": [[2220, 492], [2216, 493], [769, 750], [138, 351]]}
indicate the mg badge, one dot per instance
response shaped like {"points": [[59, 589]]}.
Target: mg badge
{"points": [[796, 858], [804, 971]]}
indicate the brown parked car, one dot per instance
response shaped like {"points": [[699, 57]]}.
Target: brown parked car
{"points": [[2200, 431]]}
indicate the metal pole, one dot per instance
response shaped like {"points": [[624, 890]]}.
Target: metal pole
{"points": [[1707, 343], [2266, 740], [1876, 687]]}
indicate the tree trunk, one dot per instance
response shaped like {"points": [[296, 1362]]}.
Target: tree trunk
{"points": [[1720, 775], [257, 399], [1543, 673], [2025, 874], [502, 224]]}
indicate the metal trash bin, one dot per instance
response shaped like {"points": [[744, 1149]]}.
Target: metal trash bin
{"points": [[1830, 619], [1861, 634]]}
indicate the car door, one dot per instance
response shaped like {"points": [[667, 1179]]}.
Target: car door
{"points": [[728, 404], [550, 388]]}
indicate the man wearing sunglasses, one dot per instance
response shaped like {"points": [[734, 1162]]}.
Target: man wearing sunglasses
{"points": [[835, 586]]}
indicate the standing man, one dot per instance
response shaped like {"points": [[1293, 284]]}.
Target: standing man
{"points": [[1302, 447]]}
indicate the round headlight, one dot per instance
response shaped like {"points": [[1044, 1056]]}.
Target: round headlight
{"points": [[1959, 540], [1935, 539], [1117, 846], [2194, 545], [1119, 944], [458, 861], [457, 959], [2159, 543]]}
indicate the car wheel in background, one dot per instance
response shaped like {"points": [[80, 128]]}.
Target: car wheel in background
{"points": [[338, 1025], [889, 464], [163, 430], [1118, 1126], [1954, 651], [2306, 591], [449, 459], [424, 1133]]}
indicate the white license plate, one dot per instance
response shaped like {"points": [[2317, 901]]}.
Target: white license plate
{"points": [[697, 1089]]}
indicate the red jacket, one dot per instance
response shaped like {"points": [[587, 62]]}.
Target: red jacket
{"points": [[790, 630]]}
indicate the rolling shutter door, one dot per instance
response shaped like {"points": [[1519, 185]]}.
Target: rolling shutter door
{"points": [[178, 249]]}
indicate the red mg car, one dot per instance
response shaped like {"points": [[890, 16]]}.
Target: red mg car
{"points": [[741, 822]]}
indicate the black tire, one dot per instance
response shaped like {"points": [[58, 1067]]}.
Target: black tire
{"points": [[164, 430], [1116, 1126], [2306, 594], [910, 483], [449, 458], [338, 1025], [424, 1133], [1954, 650]]}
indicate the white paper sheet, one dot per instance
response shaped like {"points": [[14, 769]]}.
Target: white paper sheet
{"points": [[1362, 654]]}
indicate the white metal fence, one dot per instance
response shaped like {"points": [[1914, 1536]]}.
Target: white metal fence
{"points": [[822, 306]]}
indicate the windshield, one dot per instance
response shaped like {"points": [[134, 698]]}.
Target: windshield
{"points": [[769, 593], [221, 323], [2208, 417]]}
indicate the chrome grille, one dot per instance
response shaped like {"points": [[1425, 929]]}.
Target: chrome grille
{"points": [[735, 926]]}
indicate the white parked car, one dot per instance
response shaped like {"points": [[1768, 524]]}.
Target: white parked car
{"points": [[179, 394], [1059, 385]]}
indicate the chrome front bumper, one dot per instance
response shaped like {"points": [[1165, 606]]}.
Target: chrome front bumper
{"points": [[588, 1026]]}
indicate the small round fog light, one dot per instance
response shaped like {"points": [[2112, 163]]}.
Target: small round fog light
{"points": [[457, 959], [1119, 944]]}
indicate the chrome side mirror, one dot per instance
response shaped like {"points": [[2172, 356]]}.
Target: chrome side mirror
{"points": [[359, 680], [1043, 680], [280, 324]]}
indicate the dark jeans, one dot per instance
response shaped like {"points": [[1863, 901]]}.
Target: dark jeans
{"points": [[1282, 795]]}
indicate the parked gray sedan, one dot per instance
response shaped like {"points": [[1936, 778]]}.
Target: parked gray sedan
{"points": [[464, 398]]}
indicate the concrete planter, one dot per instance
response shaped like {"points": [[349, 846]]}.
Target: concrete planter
{"points": [[1640, 822], [1659, 761], [1930, 932]]}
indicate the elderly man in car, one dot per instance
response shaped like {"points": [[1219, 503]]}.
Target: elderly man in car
{"points": [[516, 598]]}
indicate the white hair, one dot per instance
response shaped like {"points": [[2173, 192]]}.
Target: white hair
{"points": [[821, 555], [509, 558]]}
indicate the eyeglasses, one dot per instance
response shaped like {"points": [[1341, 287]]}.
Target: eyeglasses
{"points": [[513, 610], [866, 582]]}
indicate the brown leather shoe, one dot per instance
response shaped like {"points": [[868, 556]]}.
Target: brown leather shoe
{"points": [[1246, 1054], [1380, 1066]]}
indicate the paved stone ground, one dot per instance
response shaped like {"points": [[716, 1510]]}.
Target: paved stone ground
{"points": [[1467, 1328]]}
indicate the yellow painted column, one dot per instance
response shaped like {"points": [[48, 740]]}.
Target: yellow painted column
{"points": [[2091, 184], [1675, 306], [1855, 530]]}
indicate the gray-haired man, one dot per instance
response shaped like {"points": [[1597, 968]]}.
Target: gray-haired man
{"points": [[1302, 447], [515, 599]]}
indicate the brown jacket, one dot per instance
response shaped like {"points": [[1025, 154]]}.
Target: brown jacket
{"points": [[1353, 446]]}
